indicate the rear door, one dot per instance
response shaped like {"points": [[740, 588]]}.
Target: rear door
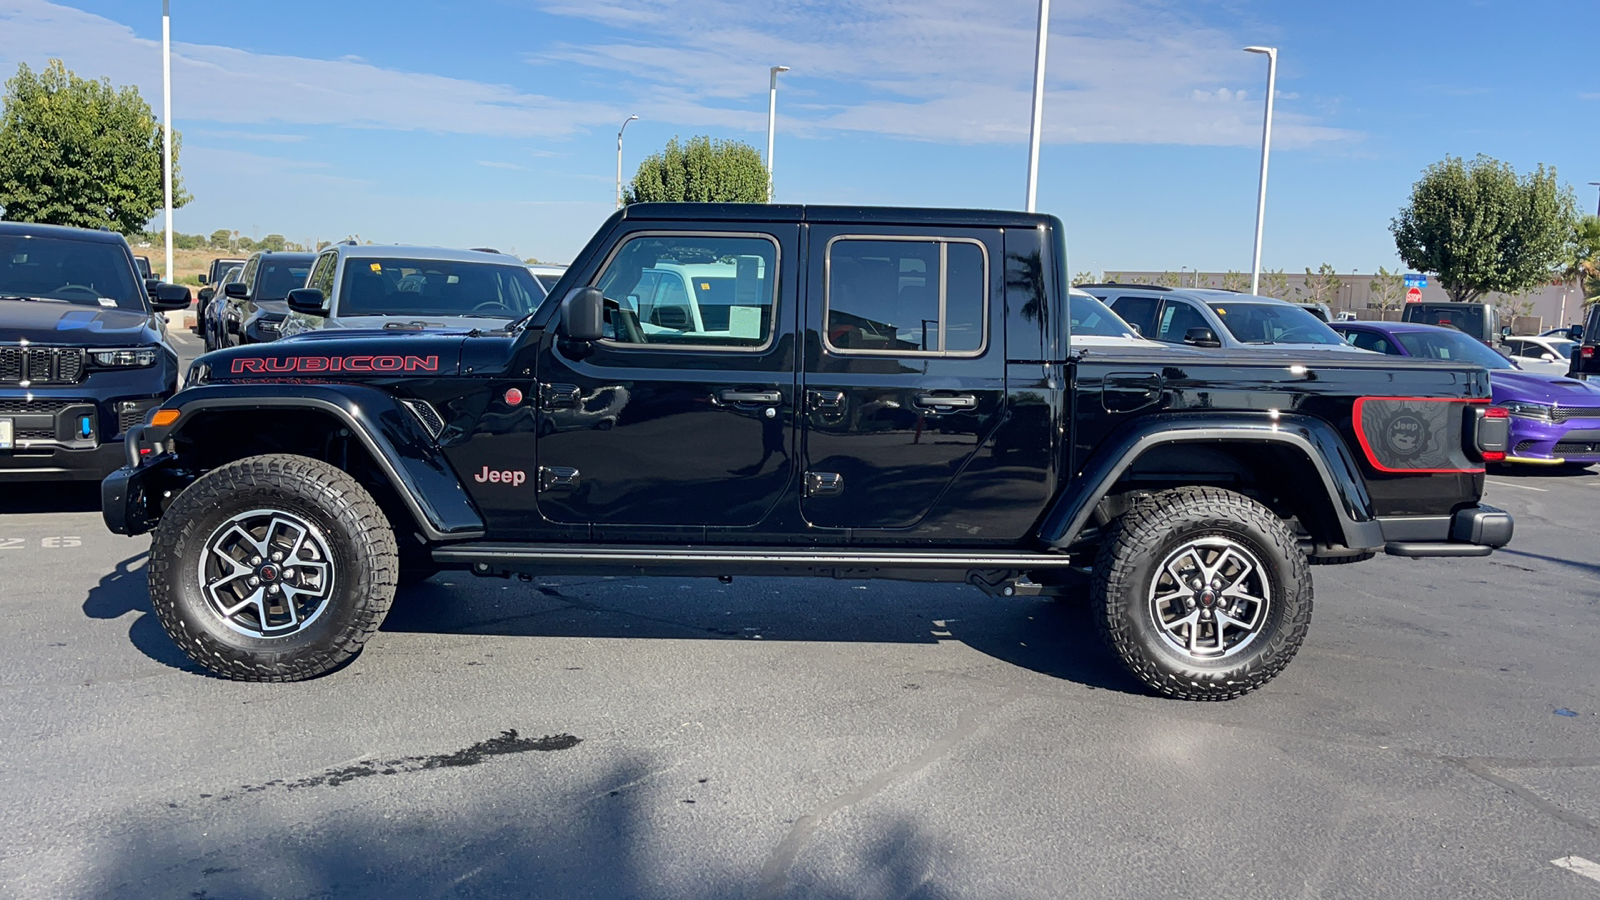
{"points": [[904, 368]]}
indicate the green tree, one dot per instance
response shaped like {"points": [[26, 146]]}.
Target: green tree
{"points": [[1483, 230], [1385, 290], [700, 171], [273, 242], [80, 152], [1322, 286], [1275, 284], [1083, 278], [219, 238], [1235, 281], [1583, 258], [1168, 279]]}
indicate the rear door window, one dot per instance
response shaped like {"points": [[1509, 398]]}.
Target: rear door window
{"points": [[1368, 340], [1177, 317], [906, 297], [1138, 311]]}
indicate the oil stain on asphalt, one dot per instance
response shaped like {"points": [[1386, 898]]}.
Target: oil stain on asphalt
{"points": [[508, 742]]}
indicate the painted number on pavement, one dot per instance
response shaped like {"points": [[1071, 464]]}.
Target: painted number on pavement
{"points": [[61, 542]]}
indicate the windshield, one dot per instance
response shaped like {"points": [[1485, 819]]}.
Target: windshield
{"points": [[1561, 348], [548, 282], [1273, 323], [1469, 317], [426, 287], [1090, 316], [278, 277], [63, 270], [1453, 346]]}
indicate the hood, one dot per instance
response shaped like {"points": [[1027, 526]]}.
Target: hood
{"points": [[432, 323], [340, 356], [74, 324], [1534, 387]]}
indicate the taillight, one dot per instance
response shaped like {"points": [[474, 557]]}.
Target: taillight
{"points": [[1493, 437], [1497, 412], [1587, 352]]}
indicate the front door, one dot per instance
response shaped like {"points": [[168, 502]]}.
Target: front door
{"points": [[904, 372], [684, 414]]}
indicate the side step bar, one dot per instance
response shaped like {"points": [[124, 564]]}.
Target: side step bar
{"points": [[487, 557]]}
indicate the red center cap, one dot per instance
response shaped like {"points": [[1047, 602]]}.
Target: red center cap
{"points": [[269, 573], [1207, 599]]}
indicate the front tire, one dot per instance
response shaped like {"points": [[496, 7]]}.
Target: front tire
{"points": [[1202, 593], [273, 568]]}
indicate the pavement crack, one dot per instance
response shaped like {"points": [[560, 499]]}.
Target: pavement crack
{"points": [[775, 872], [1481, 768]]}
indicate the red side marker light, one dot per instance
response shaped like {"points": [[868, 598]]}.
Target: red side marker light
{"points": [[1493, 456], [513, 397], [144, 451], [1497, 412]]}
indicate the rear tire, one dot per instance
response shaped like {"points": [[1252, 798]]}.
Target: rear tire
{"points": [[1202, 593], [273, 568]]}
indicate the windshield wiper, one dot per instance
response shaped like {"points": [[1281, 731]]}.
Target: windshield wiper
{"points": [[34, 299]]}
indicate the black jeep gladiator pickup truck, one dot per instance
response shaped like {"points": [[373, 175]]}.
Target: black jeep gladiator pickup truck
{"points": [[718, 390]]}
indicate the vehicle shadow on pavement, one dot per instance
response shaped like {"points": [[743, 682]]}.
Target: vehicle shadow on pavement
{"points": [[125, 591], [1051, 637], [618, 832], [48, 497]]}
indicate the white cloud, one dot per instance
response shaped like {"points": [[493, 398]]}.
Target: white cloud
{"points": [[942, 70], [223, 84], [259, 136]]}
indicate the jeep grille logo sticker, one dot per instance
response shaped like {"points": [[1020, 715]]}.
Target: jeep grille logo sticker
{"points": [[269, 365]]}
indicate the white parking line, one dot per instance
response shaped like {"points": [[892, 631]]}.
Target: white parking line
{"points": [[1526, 487], [1580, 865]]}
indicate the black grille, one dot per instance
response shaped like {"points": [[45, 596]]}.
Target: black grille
{"points": [[129, 418], [428, 415], [1563, 413], [34, 407], [34, 434], [1564, 447], [41, 365]]}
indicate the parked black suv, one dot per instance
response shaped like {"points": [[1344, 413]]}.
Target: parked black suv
{"points": [[83, 351], [255, 306]]}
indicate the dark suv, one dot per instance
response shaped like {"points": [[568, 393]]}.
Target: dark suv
{"points": [[254, 307], [83, 351]]}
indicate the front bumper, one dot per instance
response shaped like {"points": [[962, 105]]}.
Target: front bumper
{"points": [[52, 463], [1474, 531], [1553, 443]]}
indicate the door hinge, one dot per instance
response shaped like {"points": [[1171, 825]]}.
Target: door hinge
{"points": [[824, 484], [557, 478], [559, 396]]}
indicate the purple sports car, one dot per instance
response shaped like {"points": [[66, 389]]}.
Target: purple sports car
{"points": [[1554, 419]]}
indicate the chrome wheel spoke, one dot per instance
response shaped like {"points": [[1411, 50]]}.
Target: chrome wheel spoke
{"points": [[1210, 597], [267, 573]]}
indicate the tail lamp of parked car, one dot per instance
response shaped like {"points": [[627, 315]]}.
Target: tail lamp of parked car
{"points": [[1492, 434]]}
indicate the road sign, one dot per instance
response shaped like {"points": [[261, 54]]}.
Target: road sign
{"points": [[1414, 295], [1416, 281]]}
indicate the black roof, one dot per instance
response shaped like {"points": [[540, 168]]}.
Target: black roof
{"points": [[62, 231], [771, 212]]}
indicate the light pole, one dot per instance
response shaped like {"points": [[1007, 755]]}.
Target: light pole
{"points": [[166, 124], [1038, 104], [619, 158], [1266, 149], [772, 120], [1597, 202]]}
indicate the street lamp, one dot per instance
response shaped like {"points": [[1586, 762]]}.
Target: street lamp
{"points": [[1266, 149], [619, 158], [1038, 104], [772, 120], [1597, 202], [166, 125]]}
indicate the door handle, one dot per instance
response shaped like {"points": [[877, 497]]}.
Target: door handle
{"points": [[940, 403], [751, 397], [826, 399]]}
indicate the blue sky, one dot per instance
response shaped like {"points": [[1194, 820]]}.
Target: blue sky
{"points": [[494, 121]]}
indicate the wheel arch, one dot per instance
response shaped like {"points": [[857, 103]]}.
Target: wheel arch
{"points": [[369, 432], [1299, 460]]}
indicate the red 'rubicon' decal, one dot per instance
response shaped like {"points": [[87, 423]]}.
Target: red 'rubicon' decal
{"points": [[269, 365]]}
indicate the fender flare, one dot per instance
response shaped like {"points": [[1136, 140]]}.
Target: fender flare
{"points": [[391, 434], [1313, 438]]}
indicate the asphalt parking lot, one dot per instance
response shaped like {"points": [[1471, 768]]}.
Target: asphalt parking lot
{"points": [[583, 737]]}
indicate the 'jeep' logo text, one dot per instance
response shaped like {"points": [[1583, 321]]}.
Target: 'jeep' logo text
{"points": [[513, 477], [286, 364]]}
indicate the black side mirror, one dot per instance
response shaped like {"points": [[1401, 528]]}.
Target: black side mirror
{"points": [[583, 315], [236, 290], [202, 277], [1575, 333], [206, 293], [169, 296], [1505, 331], [151, 285], [310, 301], [1201, 336]]}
